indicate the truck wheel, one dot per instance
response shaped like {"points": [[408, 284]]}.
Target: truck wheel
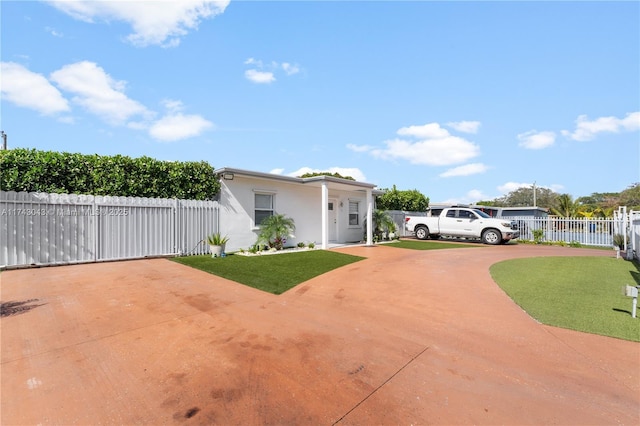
{"points": [[422, 232], [491, 236]]}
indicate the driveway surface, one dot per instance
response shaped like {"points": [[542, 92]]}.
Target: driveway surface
{"points": [[402, 338]]}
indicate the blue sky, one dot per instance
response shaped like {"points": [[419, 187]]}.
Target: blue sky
{"points": [[463, 101]]}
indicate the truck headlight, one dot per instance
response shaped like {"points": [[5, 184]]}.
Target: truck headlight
{"points": [[506, 224]]}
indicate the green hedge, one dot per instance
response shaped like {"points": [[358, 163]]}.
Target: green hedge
{"points": [[31, 170], [409, 200]]}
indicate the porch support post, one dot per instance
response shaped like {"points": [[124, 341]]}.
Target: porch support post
{"points": [[325, 216], [369, 217]]}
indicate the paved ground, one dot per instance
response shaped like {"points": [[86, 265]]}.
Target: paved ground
{"points": [[404, 337]]}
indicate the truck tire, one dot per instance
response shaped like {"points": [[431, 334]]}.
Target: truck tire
{"points": [[491, 236], [422, 232]]}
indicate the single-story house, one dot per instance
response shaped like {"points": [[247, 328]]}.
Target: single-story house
{"points": [[326, 209]]}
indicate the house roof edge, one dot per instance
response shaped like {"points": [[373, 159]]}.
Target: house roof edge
{"points": [[251, 173]]}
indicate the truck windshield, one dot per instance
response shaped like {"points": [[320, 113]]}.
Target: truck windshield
{"points": [[481, 213]]}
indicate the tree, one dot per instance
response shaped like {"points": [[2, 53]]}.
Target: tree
{"points": [[566, 207], [492, 203], [408, 200], [382, 222], [630, 197], [524, 197], [275, 229]]}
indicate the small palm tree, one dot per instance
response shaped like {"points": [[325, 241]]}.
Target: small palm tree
{"points": [[275, 230], [382, 222], [566, 206]]}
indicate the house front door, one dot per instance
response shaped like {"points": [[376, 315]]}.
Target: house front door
{"points": [[333, 220]]}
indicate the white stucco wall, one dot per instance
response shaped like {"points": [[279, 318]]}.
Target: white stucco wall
{"points": [[300, 202]]}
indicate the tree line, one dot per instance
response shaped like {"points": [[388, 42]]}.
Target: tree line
{"points": [[598, 204]]}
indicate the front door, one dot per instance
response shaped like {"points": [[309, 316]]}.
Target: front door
{"points": [[333, 220]]}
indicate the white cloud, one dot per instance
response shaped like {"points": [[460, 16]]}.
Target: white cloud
{"points": [[160, 22], [96, 91], [30, 90], [277, 171], [259, 77], [466, 170], [465, 126], [587, 130], [512, 186], [262, 73], [252, 61], [359, 148], [436, 147], [173, 105], [175, 127], [343, 171], [53, 32], [290, 69], [536, 140], [427, 131], [433, 152]]}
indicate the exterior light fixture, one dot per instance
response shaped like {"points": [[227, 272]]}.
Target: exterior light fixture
{"points": [[227, 176]]}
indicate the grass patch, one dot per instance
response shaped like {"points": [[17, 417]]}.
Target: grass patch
{"points": [[578, 293], [429, 245], [274, 274]]}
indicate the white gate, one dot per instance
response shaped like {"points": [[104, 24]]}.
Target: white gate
{"points": [[49, 229]]}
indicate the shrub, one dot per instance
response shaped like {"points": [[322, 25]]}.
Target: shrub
{"points": [[275, 230], [31, 170], [618, 241], [538, 235], [217, 240]]}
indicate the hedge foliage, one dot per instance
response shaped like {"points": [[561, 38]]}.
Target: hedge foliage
{"points": [[408, 200], [31, 170]]}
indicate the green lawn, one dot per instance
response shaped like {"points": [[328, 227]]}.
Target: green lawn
{"points": [[578, 293], [272, 273], [429, 245]]}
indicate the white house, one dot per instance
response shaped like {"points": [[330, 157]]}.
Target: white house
{"points": [[326, 210]]}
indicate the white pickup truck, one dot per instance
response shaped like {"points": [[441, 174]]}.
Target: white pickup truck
{"points": [[463, 222]]}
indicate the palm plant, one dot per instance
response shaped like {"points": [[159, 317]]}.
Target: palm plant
{"points": [[216, 239], [566, 206], [382, 222], [275, 229]]}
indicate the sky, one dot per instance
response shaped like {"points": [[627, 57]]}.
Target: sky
{"points": [[462, 101]]}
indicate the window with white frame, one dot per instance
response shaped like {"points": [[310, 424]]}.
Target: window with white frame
{"points": [[354, 213], [263, 207]]}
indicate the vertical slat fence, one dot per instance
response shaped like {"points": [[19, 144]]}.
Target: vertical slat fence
{"points": [[49, 229]]}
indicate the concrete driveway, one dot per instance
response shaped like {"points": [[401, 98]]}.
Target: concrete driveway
{"points": [[404, 337]]}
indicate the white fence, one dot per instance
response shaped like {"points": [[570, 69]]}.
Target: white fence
{"points": [[634, 225], [49, 229], [586, 231]]}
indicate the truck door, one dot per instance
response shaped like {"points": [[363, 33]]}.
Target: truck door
{"points": [[470, 223], [458, 222], [448, 222]]}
